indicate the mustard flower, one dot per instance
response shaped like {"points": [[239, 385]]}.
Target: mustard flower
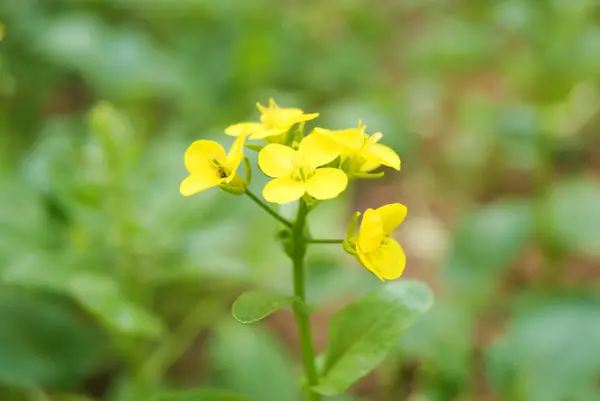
{"points": [[297, 172], [209, 165], [360, 152], [274, 121], [374, 246], [243, 129]]}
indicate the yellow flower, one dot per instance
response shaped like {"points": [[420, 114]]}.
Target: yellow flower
{"points": [[243, 129], [296, 172], [361, 153], [209, 165], [274, 121], [374, 246]]}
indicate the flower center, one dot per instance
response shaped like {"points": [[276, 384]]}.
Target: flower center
{"points": [[272, 119], [302, 171], [354, 162], [220, 169]]}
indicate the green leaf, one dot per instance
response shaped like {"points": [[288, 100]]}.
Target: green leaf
{"points": [[576, 214], [101, 296], [113, 130], [485, 242], [249, 360], [253, 306], [205, 395], [362, 333], [550, 352], [39, 270], [44, 342], [70, 397], [442, 340]]}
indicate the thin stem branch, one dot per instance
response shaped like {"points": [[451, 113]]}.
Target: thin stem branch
{"points": [[552, 267], [37, 394], [324, 241], [302, 319], [174, 345], [268, 209]]}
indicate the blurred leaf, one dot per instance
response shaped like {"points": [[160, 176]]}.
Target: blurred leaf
{"points": [[43, 342], [101, 296], [517, 128], [39, 270], [576, 215], [205, 395], [113, 131], [19, 221], [70, 397], [549, 353], [362, 333], [253, 306], [442, 341], [249, 360], [485, 242]]}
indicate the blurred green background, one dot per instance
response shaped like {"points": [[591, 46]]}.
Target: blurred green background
{"points": [[115, 287]]}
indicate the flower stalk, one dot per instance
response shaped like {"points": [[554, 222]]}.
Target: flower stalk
{"points": [[268, 209], [302, 318], [324, 241]]}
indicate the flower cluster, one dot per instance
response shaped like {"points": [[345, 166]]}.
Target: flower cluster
{"points": [[309, 168]]}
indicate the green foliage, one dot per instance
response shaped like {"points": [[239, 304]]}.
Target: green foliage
{"points": [[530, 362], [484, 243], [102, 297], [204, 395], [493, 107], [253, 306], [442, 340], [362, 333], [45, 341], [576, 215], [235, 350]]}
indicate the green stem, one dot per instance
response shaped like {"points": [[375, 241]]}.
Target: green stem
{"points": [[542, 213], [38, 394], [324, 241], [302, 319], [268, 209], [173, 346]]}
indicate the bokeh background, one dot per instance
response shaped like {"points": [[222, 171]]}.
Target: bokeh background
{"points": [[114, 287]]}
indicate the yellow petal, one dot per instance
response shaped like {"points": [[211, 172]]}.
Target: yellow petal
{"points": [[392, 216], [369, 165], [200, 154], [365, 260], [389, 260], [318, 150], [326, 183], [242, 129], [350, 139], [283, 190], [193, 184], [281, 118], [370, 233], [307, 117], [276, 160], [382, 154], [263, 133], [236, 153]]}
